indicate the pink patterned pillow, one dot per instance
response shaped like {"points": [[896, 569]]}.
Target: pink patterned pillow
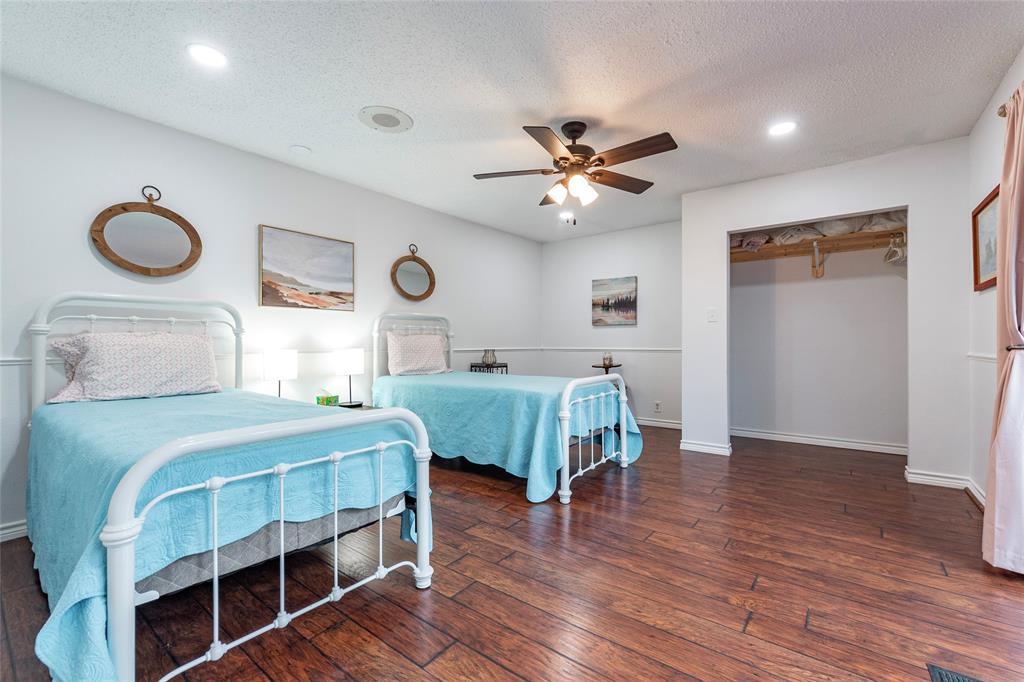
{"points": [[120, 365], [416, 354]]}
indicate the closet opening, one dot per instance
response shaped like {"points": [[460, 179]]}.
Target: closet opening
{"points": [[818, 332]]}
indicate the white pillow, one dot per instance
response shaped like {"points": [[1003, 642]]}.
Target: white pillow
{"points": [[120, 365], [416, 354]]}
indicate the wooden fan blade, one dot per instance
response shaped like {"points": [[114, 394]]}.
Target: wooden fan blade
{"points": [[546, 201], [619, 181], [509, 174], [649, 146], [551, 142]]}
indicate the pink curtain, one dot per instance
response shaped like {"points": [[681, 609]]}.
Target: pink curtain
{"points": [[1003, 538]]}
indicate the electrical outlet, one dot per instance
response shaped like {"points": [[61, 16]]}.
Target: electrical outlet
{"points": [[657, 407]]}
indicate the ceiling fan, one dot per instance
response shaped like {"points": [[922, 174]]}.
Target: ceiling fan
{"points": [[582, 166]]}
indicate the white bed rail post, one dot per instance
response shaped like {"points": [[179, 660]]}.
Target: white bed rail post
{"points": [[423, 526], [239, 370], [39, 332], [623, 431], [120, 544], [376, 352], [563, 476]]}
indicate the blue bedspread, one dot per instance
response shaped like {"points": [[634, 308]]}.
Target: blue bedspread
{"points": [[79, 451], [507, 420]]}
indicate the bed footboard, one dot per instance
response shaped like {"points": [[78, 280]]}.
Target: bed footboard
{"points": [[124, 526], [588, 409]]}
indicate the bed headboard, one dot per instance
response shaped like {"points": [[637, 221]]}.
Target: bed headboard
{"points": [[416, 323], [96, 308]]}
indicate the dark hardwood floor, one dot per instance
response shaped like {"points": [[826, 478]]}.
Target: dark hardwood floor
{"points": [[784, 562]]}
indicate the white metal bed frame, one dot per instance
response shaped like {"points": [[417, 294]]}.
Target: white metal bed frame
{"points": [[123, 526], [422, 323]]}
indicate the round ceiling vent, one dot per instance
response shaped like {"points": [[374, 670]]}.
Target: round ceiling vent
{"points": [[385, 119]]}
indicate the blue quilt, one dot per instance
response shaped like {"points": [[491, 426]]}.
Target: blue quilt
{"points": [[79, 451], [507, 420]]}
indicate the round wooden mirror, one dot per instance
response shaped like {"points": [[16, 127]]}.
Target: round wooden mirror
{"points": [[146, 239], [412, 276]]}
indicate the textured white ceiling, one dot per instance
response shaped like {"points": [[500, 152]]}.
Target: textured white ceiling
{"points": [[860, 78]]}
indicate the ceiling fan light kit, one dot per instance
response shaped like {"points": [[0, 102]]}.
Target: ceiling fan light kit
{"points": [[582, 166], [577, 184], [558, 192], [587, 195]]}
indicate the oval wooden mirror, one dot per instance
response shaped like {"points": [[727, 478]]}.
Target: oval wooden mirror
{"points": [[412, 276], [146, 239]]}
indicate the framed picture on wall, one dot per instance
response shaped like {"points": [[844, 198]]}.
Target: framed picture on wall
{"points": [[299, 270], [983, 234], [613, 302]]}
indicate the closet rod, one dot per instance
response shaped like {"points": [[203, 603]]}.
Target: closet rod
{"points": [[1017, 347]]}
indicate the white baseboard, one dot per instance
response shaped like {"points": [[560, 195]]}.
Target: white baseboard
{"points": [[706, 448], [869, 446], [965, 483], [13, 530], [660, 423], [976, 491], [941, 480]]}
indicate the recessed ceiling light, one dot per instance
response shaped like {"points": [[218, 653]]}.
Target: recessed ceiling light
{"points": [[207, 56], [300, 149], [385, 119], [782, 128]]}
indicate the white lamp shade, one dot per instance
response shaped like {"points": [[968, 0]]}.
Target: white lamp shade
{"points": [[281, 364], [587, 195], [578, 184], [349, 361], [558, 192]]}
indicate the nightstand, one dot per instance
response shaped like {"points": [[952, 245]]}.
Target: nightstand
{"points": [[496, 368]]}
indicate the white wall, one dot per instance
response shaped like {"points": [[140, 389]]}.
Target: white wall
{"points": [[820, 360], [932, 182], [650, 351], [64, 160], [986, 165]]}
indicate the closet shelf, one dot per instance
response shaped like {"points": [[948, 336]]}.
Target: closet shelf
{"points": [[855, 241]]}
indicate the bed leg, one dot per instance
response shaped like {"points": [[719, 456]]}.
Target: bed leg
{"points": [[563, 487], [623, 431], [120, 544], [423, 528]]}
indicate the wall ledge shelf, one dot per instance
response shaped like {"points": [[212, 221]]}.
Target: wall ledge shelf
{"points": [[855, 241]]}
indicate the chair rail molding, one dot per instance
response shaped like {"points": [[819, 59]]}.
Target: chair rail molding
{"points": [[981, 357]]}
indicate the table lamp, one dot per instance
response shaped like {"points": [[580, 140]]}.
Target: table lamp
{"points": [[280, 364], [350, 362]]}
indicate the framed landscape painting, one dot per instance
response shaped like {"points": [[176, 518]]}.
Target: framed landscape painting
{"points": [[613, 302], [299, 270], [983, 233]]}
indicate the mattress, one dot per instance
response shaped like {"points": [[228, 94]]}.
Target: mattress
{"points": [[262, 545]]}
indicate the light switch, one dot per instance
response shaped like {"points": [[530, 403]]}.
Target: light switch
{"points": [[712, 314]]}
